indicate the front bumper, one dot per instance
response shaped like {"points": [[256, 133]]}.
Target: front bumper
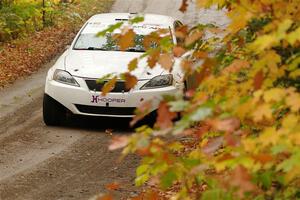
{"points": [[82, 101]]}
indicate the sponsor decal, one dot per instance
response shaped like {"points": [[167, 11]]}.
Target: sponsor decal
{"points": [[100, 99]]}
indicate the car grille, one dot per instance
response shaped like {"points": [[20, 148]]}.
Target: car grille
{"points": [[101, 110], [93, 85]]}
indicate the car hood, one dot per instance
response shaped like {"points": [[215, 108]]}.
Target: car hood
{"points": [[96, 64]]}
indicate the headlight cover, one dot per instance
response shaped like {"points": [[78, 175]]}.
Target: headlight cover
{"points": [[64, 77], [159, 82]]}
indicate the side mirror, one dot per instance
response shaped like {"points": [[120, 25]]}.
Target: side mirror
{"points": [[177, 25]]}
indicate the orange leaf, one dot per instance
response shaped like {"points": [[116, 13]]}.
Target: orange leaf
{"points": [[165, 116], [105, 197], [258, 80], [178, 51], [109, 86], [213, 145], [126, 40], [200, 54], [150, 39], [192, 38], [236, 66], [166, 61], [232, 139], [263, 158], [141, 112], [200, 131], [227, 125], [145, 151], [186, 65], [112, 186], [241, 179], [181, 32], [130, 81], [118, 142], [151, 195], [205, 71], [153, 58], [184, 6]]}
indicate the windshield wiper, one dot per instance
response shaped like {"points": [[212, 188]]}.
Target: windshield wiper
{"points": [[96, 48], [135, 50], [91, 48]]}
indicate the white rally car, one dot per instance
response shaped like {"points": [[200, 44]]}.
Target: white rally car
{"points": [[71, 84]]}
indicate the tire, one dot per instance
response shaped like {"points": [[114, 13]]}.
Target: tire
{"points": [[54, 114]]}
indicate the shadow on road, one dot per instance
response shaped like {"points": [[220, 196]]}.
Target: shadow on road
{"points": [[106, 123]]}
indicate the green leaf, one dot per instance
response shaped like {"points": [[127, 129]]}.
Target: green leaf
{"points": [[136, 20], [201, 113], [176, 146], [104, 78], [289, 163], [189, 162], [278, 149], [110, 29], [211, 194], [141, 179], [141, 169], [178, 106], [266, 179], [168, 179]]}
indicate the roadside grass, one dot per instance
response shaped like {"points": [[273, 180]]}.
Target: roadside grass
{"points": [[24, 56]]}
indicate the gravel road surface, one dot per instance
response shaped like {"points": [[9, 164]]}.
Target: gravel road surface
{"points": [[70, 162]]}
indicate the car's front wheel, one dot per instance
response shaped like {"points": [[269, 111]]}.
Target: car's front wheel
{"points": [[53, 112]]}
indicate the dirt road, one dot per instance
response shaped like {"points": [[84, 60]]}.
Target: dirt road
{"points": [[71, 162]]}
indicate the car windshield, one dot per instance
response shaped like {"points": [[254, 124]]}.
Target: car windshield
{"points": [[90, 41]]}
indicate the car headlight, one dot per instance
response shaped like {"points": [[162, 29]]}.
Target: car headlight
{"points": [[158, 82], [64, 77]]}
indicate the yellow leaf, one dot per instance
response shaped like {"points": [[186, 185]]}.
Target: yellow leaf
{"points": [[274, 94], [109, 86], [283, 27], [293, 36], [290, 121], [262, 112], [249, 145], [293, 101], [263, 42], [239, 18], [295, 138], [295, 74], [292, 174], [268, 136], [243, 110], [133, 64]]}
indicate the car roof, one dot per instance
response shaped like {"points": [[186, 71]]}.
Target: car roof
{"points": [[112, 18]]}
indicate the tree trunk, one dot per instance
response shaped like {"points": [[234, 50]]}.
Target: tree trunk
{"points": [[43, 14]]}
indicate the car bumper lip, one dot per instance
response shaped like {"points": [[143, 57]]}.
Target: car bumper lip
{"points": [[72, 97]]}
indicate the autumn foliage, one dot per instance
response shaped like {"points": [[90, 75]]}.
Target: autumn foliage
{"points": [[26, 44], [238, 132]]}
